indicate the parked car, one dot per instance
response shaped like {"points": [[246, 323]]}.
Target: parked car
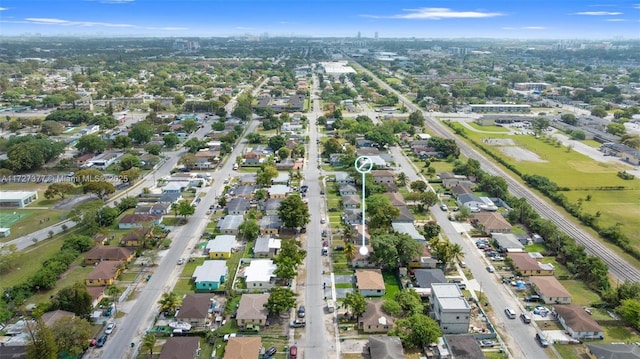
{"points": [[490, 269], [110, 328], [497, 258], [270, 352], [101, 341], [487, 343], [532, 298], [298, 323], [323, 221], [301, 311], [325, 233], [229, 336], [180, 261], [525, 318]]}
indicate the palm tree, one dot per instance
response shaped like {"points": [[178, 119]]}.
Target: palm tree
{"points": [[113, 292], [456, 251], [148, 342], [402, 179], [349, 234], [349, 250], [169, 302]]}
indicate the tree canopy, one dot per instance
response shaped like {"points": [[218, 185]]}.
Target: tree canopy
{"points": [[293, 212]]}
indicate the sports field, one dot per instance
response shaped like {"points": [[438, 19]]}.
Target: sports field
{"points": [[7, 219]]}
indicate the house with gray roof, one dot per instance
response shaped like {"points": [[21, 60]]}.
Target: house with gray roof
{"points": [[248, 179], [170, 198], [210, 275], [271, 206], [266, 247], [463, 346], [351, 201], [229, 224], [344, 178], [347, 190], [613, 351], [471, 201], [374, 319], [423, 278], [270, 225], [281, 179], [409, 229], [244, 191], [237, 205], [507, 242], [221, 247], [405, 215], [335, 159], [460, 189], [385, 347], [352, 216], [450, 308], [278, 191]]}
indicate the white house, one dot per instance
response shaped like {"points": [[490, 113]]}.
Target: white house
{"points": [[259, 275], [450, 308]]}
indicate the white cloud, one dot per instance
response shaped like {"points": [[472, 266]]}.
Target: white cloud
{"points": [[616, 20], [436, 13], [3, 8], [508, 28], [49, 21], [534, 27], [598, 13], [636, 6]]}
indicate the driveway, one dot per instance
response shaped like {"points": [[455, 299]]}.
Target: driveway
{"points": [[346, 279], [342, 292]]}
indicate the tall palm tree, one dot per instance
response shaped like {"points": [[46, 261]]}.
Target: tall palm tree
{"points": [[456, 251], [169, 302], [349, 250], [149, 342], [402, 179]]}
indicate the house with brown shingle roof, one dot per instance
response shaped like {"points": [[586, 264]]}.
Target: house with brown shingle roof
{"points": [[195, 310], [100, 239], [396, 198], [491, 222], [370, 282], [550, 289], [383, 176], [104, 274], [181, 348], [136, 237], [526, 265], [374, 319], [108, 253], [577, 322], [243, 348], [139, 220], [251, 309]]}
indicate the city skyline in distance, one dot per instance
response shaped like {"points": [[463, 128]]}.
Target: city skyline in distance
{"points": [[544, 19]]}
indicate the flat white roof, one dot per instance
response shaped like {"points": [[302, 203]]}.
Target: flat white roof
{"points": [[210, 271], [260, 270], [16, 195], [279, 189], [222, 243]]}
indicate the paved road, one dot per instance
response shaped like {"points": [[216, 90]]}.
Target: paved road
{"points": [[618, 267]]}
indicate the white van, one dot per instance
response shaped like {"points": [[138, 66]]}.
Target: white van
{"points": [[510, 313], [463, 265], [331, 307], [235, 166]]}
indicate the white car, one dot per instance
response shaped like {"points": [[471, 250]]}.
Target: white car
{"points": [[180, 261], [228, 336], [110, 328]]}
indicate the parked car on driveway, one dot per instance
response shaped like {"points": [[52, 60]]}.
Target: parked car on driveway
{"points": [[298, 323], [270, 352]]}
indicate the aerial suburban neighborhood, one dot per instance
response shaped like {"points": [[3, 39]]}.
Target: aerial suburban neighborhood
{"points": [[319, 197]]}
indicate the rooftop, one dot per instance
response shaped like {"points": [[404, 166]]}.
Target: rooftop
{"points": [[260, 270]]}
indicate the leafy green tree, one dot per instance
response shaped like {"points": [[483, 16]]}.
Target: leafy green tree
{"points": [[293, 212], [91, 143], [106, 216], [395, 249], [431, 229], [402, 179], [121, 142], [629, 310], [283, 153], [416, 119], [381, 212], [171, 140], [266, 174], [280, 300], [130, 175], [254, 138], [599, 111], [417, 331], [169, 302], [51, 128], [9, 257], [42, 344], [277, 142], [290, 250], [129, 161], [418, 186], [100, 188], [194, 145], [249, 230], [184, 208], [58, 189], [141, 132], [355, 303], [188, 160], [617, 129], [539, 124], [153, 149], [410, 302], [391, 307], [331, 146], [72, 334], [189, 125], [569, 118]]}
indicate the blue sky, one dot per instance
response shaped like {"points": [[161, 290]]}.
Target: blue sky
{"points": [[526, 19]]}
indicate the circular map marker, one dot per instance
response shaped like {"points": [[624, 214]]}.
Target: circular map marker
{"points": [[364, 250], [363, 164]]}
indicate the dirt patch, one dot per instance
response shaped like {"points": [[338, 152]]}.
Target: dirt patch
{"points": [[498, 141], [520, 154]]}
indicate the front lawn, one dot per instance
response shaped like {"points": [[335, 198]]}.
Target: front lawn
{"points": [[580, 293], [390, 285]]}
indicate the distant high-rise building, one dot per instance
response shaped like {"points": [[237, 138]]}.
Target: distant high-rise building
{"points": [[375, 36], [358, 34]]}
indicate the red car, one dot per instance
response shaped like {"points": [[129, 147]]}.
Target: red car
{"points": [[92, 342]]}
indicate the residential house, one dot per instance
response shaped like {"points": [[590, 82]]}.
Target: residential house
{"points": [[175, 187], [221, 247], [249, 179], [244, 191], [383, 176], [370, 282], [361, 143], [577, 322], [136, 237], [360, 231], [362, 261], [462, 346], [396, 199], [285, 164], [270, 225], [139, 220], [169, 198], [405, 215], [459, 189], [252, 158], [97, 294], [278, 191], [423, 278], [210, 275], [550, 289], [408, 229], [385, 347], [229, 224], [238, 206], [344, 178], [81, 161], [613, 351], [243, 348], [195, 310], [347, 190], [104, 160], [181, 348], [104, 274], [527, 266], [266, 246], [271, 206], [491, 222], [374, 319], [507, 242], [351, 201], [259, 274], [160, 208], [351, 216], [450, 308], [108, 253], [142, 209], [281, 179], [367, 151], [251, 309], [470, 201], [335, 159], [426, 260], [452, 182], [100, 240]]}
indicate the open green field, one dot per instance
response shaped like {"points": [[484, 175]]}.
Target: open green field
{"points": [[580, 293], [31, 261], [488, 128], [30, 221], [582, 175]]}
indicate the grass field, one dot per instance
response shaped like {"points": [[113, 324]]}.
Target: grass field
{"points": [[581, 294], [8, 218], [564, 167], [31, 262], [390, 285], [488, 128], [30, 221]]}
